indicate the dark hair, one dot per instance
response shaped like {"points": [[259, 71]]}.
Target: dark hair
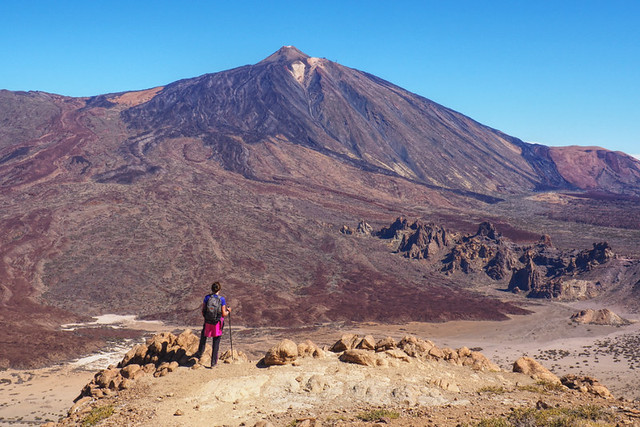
{"points": [[215, 287]]}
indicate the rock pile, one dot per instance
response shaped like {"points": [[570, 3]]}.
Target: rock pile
{"points": [[161, 354], [586, 385], [367, 351], [603, 316]]}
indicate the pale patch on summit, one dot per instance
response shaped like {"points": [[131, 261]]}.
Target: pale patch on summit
{"points": [[297, 71]]}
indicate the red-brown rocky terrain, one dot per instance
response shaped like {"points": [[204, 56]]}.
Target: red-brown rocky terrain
{"points": [[132, 203]]}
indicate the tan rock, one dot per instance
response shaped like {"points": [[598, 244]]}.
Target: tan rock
{"points": [[367, 343], [346, 342], [132, 371], [105, 377], [188, 341], [309, 349], [415, 347], [436, 353], [450, 354], [386, 344], [447, 385], [135, 355], [464, 352], [284, 352], [235, 357], [360, 357], [528, 366], [480, 362], [396, 353], [586, 385]]}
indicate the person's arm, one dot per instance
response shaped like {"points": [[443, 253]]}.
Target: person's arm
{"points": [[226, 311]]}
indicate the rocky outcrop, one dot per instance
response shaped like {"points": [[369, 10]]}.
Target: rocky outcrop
{"points": [[602, 316], [363, 229], [160, 355], [586, 385], [423, 241], [534, 369], [409, 349], [539, 270]]}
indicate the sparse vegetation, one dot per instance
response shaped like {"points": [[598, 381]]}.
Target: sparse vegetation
{"points": [[550, 386], [532, 388], [586, 415], [493, 389], [97, 414], [377, 414]]}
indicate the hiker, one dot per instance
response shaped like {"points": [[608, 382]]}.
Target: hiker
{"points": [[214, 310]]}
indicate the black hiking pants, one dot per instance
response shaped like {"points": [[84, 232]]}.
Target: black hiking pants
{"points": [[215, 346]]}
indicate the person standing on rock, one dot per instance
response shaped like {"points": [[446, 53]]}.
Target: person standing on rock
{"points": [[214, 310]]}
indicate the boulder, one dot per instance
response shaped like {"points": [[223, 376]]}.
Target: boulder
{"points": [[105, 377], [480, 362], [135, 355], [415, 347], [309, 349], [361, 357], [367, 343], [436, 353], [188, 341], [132, 371], [385, 344], [346, 342], [236, 357], [396, 353], [528, 366], [464, 352], [281, 354]]}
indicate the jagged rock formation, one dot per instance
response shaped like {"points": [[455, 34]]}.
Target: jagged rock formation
{"points": [[603, 316], [550, 273], [540, 270], [417, 240], [363, 229]]}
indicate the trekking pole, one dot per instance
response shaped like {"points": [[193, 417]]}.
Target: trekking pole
{"points": [[231, 337]]}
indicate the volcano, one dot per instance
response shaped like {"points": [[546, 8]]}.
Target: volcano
{"points": [[133, 202]]}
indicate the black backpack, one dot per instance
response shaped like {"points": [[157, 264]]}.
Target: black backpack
{"points": [[213, 310]]}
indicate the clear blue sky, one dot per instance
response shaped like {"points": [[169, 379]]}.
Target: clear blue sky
{"points": [[555, 72]]}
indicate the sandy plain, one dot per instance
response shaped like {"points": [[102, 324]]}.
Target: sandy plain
{"points": [[608, 353]]}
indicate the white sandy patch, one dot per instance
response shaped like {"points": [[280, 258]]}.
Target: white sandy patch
{"points": [[110, 356], [115, 321]]}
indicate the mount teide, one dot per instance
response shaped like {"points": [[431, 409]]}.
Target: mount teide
{"points": [[246, 176]]}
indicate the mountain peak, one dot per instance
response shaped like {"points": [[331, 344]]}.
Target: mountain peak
{"points": [[286, 54]]}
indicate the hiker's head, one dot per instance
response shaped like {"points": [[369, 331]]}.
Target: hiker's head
{"points": [[215, 287]]}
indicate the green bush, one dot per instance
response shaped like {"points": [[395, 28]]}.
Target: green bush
{"points": [[493, 389], [377, 414], [97, 414], [553, 417]]}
